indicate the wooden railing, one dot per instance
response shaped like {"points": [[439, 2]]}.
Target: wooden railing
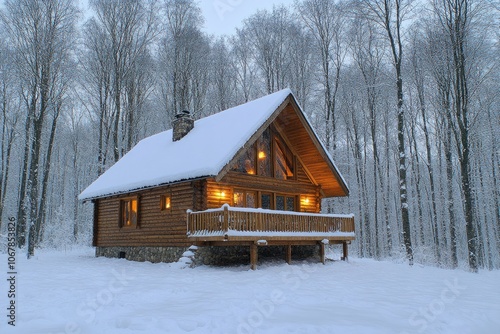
{"points": [[227, 220]]}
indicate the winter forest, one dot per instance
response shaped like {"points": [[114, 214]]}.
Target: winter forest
{"points": [[404, 94]]}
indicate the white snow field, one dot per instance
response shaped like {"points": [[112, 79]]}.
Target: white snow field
{"points": [[74, 292]]}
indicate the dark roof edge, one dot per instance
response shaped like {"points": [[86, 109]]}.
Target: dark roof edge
{"points": [[145, 188]]}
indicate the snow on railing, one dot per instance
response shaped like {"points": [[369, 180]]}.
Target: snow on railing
{"points": [[234, 221]]}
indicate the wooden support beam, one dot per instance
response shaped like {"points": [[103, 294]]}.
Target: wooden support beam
{"points": [[289, 254], [344, 251], [322, 252], [253, 256]]}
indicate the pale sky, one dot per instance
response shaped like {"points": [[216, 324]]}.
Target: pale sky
{"points": [[223, 16]]}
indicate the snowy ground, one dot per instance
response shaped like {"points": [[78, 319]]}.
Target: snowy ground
{"points": [[74, 292]]}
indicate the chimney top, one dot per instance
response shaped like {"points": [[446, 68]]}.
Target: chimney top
{"points": [[184, 113], [182, 124]]}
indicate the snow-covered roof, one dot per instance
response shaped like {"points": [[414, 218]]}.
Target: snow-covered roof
{"points": [[204, 151]]}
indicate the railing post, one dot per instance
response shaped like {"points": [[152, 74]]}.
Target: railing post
{"points": [[225, 224], [189, 226]]}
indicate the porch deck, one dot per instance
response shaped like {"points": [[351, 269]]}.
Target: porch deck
{"points": [[259, 227]]}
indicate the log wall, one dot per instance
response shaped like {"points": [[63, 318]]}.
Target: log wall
{"points": [[154, 227], [168, 228]]}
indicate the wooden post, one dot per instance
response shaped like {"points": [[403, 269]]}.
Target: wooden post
{"points": [[253, 256], [258, 226], [95, 227], [344, 250], [225, 224], [289, 254], [322, 252], [188, 222]]}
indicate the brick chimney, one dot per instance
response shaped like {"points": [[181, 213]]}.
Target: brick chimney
{"points": [[183, 123]]}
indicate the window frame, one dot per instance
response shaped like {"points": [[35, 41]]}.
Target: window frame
{"points": [[285, 198], [276, 139], [273, 199], [163, 202], [121, 219], [245, 197]]}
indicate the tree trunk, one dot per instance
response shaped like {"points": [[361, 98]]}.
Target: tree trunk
{"points": [[45, 178]]}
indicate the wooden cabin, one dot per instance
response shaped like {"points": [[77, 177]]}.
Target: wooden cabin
{"points": [[253, 176]]}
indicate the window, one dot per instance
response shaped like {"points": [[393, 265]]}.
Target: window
{"points": [[283, 162], [166, 203], [290, 203], [271, 201], [266, 201], [244, 199], [285, 203], [128, 212], [268, 156], [246, 163], [264, 153]]}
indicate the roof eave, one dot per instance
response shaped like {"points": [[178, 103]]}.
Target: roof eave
{"points": [[119, 193]]}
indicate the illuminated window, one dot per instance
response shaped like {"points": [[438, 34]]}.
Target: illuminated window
{"points": [[128, 212], [264, 153], [166, 203], [283, 162], [244, 199], [246, 163], [268, 156]]}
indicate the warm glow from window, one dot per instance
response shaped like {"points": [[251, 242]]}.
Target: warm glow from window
{"points": [[128, 215], [262, 155], [166, 202], [305, 201]]}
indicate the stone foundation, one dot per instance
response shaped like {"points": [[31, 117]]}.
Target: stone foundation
{"points": [[210, 255], [152, 254]]}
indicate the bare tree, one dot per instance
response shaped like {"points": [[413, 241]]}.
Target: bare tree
{"points": [[326, 21], [223, 75], [128, 27], [41, 33], [10, 115], [368, 55], [457, 19], [390, 14], [183, 57], [243, 63], [268, 34]]}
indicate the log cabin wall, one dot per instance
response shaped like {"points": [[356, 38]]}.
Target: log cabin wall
{"points": [[307, 194], [155, 227]]}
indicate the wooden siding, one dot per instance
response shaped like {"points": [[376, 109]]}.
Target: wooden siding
{"points": [[154, 227], [168, 228], [303, 142], [303, 188]]}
